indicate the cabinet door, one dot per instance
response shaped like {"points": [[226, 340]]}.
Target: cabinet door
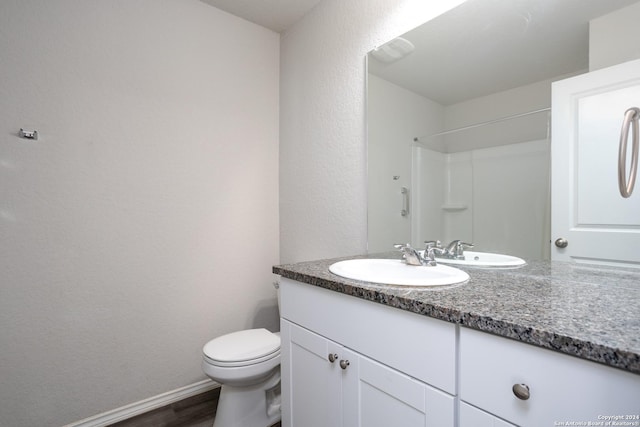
{"points": [[587, 210], [377, 396], [311, 384]]}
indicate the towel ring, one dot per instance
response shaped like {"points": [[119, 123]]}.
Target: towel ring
{"points": [[625, 184]]}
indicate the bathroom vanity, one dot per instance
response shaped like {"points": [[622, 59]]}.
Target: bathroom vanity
{"points": [[541, 345]]}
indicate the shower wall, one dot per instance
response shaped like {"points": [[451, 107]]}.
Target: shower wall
{"points": [[488, 185], [494, 185], [496, 198], [395, 117]]}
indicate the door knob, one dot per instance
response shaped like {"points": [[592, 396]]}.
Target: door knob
{"points": [[562, 243], [344, 364], [333, 357]]}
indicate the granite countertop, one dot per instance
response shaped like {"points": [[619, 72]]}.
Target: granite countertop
{"points": [[591, 312]]}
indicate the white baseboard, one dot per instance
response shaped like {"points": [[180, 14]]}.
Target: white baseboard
{"points": [[146, 405]]}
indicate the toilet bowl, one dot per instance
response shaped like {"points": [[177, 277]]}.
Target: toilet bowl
{"points": [[247, 364]]}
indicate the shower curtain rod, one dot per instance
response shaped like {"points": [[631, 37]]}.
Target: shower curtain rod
{"points": [[502, 119]]}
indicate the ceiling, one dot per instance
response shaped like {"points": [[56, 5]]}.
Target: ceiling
{"points": [[488, 46], [277, 15]]}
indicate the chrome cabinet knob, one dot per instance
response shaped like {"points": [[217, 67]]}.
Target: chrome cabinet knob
{"points": [[562, 243], [344, 364], [333, 357], [521, 391]]}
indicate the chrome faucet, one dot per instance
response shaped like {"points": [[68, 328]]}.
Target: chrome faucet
{"points": [[413, 257], [454, 250]]}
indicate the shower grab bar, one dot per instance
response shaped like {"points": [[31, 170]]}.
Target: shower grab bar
{"points": [[625, 184], [405, 201]]}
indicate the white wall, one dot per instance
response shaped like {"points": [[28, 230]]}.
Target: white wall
{"points": [[144, 222], [323, 181], [612, 38], [497, 106], [395, 117]]}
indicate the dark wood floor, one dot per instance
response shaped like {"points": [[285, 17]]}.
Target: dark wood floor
{"points": [[196, 411]]}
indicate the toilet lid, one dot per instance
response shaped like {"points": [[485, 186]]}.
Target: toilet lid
{"points": [[243, 345]]}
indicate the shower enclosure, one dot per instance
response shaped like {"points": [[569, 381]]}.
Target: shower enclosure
{"points": [[486, 183]]}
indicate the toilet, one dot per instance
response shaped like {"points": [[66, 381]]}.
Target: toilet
{"points": [[247, 364]]}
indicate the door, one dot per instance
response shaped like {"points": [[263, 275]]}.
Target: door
{"points": [[311, 383], [378, 396], [597, 224]]}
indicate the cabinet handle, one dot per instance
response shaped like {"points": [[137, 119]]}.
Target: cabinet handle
{"points": [[521, 391], [344, 364], [333, 357]]}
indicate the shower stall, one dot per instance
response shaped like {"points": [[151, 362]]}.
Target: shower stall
{"points": [[487, 183]]}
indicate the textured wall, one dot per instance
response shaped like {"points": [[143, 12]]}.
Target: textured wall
{"points": [[323, 177], [144, 222], [396, 116]]}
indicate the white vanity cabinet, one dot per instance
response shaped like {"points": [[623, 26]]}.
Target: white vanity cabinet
{"points": [[552, 387], [474, 417], [349, 362], [329, 385]]}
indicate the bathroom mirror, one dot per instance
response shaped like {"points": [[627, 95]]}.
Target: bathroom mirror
{"points": [[458, 114]]}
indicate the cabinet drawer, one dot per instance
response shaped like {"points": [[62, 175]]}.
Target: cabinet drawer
{"points": [[474, 417], [561, 388], [419, 346]]}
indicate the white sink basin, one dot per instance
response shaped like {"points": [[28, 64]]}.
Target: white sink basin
{"points": [[484, 259], [396, 272]]}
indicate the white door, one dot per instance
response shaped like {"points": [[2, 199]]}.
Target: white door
{"points": [[311, 384], [598, 225], [378, 396]]}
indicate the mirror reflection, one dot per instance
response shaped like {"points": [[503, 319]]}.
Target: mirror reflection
{"points": [[459, 123]]}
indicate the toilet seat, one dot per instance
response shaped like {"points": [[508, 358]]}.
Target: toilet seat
{"points": [[242, 348]]}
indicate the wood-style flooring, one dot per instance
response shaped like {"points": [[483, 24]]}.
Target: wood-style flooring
{"points": [[196, 411]]}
